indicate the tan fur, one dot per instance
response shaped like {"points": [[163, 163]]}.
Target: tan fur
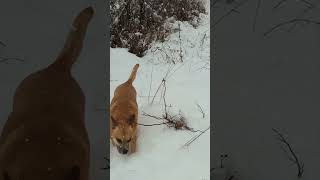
{"points": [[45, 137], [124, 115]]}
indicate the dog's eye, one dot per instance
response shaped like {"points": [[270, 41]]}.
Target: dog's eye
{"points": [[119, 140], [129, 140]]}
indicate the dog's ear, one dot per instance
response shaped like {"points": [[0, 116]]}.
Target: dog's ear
{"points": [[131, 120], [114, 123]]}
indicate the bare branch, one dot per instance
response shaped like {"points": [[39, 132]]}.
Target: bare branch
{"points": [[150, 84], [308, 21], [155, 117], [300, 16], [233, 10], [160, 85], [307, 3], [157, 124], [292, 155], [180, 51], [195, 138], [201, 110], [256, 16], [164, 98], [279, 4], [176, 121], [5, 60]]}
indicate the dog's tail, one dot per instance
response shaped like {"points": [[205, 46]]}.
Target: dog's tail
{"points": [[73, 44], [133, 74]]}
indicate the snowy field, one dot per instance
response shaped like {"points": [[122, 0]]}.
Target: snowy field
{"points": [[161, 153]]}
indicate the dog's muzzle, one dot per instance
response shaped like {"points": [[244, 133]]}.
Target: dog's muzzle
{"points": [[123, 148]]}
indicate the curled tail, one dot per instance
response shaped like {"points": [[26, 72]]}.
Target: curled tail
{"points": [[133, 74], [73, 44]]}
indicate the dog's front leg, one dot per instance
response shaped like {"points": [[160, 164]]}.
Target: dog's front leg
{"points": [[133, 145]]}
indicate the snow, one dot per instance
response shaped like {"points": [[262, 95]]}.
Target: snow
{"points": [[161, 153]]}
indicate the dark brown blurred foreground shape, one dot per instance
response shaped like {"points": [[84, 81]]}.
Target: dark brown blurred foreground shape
{"points": [[45, 137]]}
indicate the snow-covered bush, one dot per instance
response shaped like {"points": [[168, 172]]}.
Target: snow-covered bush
{"points": [[138, 23]]}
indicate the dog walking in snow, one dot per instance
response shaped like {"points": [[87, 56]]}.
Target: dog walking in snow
{"points": [[45, 137], [124, 116]]}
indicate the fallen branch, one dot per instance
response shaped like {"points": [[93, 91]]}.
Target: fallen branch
{"points": [[156, 124], [176, 122], [292, 155], [195, 138]]}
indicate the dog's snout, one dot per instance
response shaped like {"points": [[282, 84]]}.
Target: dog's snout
{"points": [[124, 151], [123, 148]]}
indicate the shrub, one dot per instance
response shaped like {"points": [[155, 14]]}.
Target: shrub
{"points": [[138, 23]]}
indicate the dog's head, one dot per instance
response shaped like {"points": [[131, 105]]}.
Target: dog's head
{"points": [[123, 131]]}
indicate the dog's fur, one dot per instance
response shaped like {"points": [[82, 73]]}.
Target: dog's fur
{"points": [[45, 137], [124, 116]]}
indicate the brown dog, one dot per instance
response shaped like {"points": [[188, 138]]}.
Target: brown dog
{"points": [[124, 116], [45, 136]]}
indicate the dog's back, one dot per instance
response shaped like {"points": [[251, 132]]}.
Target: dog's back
{"points": [[44, 137]]}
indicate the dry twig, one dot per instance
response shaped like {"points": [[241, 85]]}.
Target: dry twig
{"points": [[180, 50], [201, 111], [172, 121], [308, 21], [256, 16], [233, 10], [195, 138], [5, 60], [279, 4], [292, 155]]}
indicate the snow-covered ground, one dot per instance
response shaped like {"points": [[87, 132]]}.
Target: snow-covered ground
{"points": [[161, 153]]}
